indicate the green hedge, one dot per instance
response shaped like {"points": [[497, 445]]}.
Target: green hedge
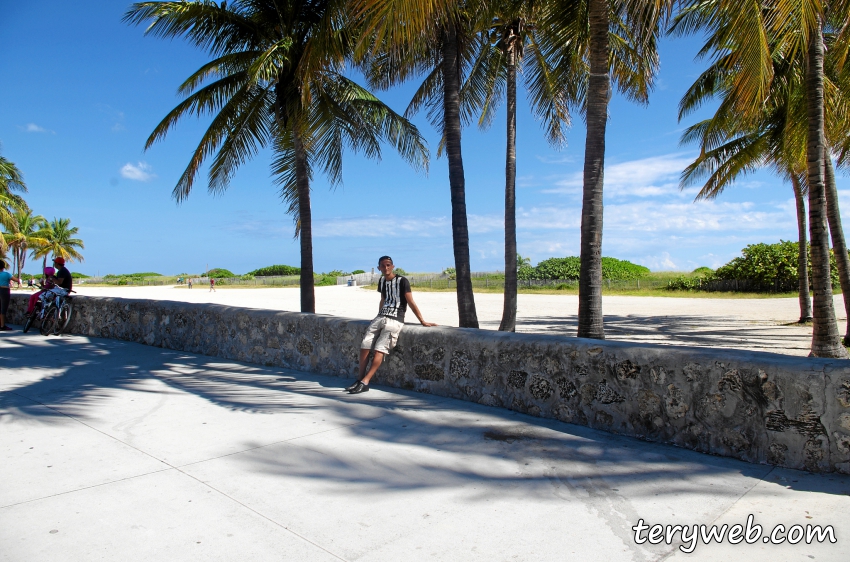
{"points": [[766, 263], [569, 268], [275, 270], [220, 272]]}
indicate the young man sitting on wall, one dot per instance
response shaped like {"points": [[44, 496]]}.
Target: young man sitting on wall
{"points": [[384, 330]]}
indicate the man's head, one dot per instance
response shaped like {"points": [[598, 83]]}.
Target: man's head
{"points": [[60, 261], [385, 265], [2, 265]]}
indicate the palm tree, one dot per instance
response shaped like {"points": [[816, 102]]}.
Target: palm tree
{"points": [[745, 39], [28, 233], [402, 39], [618, 40], [58, 240], [517, 42], [732, 144], [11, 180], [276, 81]]}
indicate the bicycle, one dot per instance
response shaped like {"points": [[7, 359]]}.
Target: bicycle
{"points": [[39, 311], [56, 315]]}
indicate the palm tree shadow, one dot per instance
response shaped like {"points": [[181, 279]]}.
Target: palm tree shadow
{"points": [[695, 331], [72, 375]]}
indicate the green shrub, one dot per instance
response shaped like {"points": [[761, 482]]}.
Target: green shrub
{"points": [[219, 272], [703, 271], [685, 283], [356, 271], [766, 263], [450, 272], [275, 270], [525, 272], [324, 280], [569, 268], [399, 271]]}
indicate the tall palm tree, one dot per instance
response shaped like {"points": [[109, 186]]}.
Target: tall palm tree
{"points": [[804, 296], [57, 239], [402, 39], [746, 38], [619, 43], [28, 233], [732, 144], [276, 81], [11, 180], [518, 43]]}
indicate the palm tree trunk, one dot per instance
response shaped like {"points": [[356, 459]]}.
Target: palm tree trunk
{"points": [[305, 218], [508, 323], [599, 88], [450, 68], [22, 260], [802, 253], [826, 341], [839, 245]]}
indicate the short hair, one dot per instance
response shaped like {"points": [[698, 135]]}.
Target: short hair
{"points": [[382, 258], [3, 264]]}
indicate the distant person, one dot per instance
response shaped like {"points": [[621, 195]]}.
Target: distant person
{"points": [[212, 285], [384, 330], [190, 282], [30, 284], [6, 279], [63, 276], [48, 283]]}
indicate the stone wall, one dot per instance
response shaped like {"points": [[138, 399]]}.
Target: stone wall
{"points": [[758, 407]]}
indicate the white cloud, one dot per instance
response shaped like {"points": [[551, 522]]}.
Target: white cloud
{"points": [[33, 128], [140, 172], [659, 262], [551, 159], [648, 177]]}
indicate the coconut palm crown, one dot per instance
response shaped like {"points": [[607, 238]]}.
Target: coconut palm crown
{"points": [[11, 181], [276, 81], [58, 241]]}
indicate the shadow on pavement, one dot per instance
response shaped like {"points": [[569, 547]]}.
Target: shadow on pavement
{"points": [[699, 331], [72, 375]]}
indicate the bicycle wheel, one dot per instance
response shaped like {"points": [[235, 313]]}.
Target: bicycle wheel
{"points": [[65, 312], [51, 317], [29, 321]]}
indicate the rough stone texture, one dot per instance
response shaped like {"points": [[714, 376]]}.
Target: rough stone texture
{"points": [[759, 407]]}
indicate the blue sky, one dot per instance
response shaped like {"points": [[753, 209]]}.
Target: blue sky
{"points": [[82, 91]]}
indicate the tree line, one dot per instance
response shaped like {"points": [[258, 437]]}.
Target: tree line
{"points": [[23, 231], [275, 79]]}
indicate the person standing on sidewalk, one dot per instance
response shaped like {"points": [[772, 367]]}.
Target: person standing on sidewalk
{"points": [[212, 285], [384, 330], [6, 279]]}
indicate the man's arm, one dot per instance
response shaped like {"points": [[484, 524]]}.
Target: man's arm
{"points": [[415, 309]]}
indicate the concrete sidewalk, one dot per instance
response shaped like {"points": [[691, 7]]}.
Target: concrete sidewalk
{"points": [[118, 451]]}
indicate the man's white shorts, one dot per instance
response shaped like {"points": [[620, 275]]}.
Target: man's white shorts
{"points": [[386, 330]]}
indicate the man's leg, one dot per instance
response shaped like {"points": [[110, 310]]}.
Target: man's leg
{"points": [[364, 358], [376, 362]]}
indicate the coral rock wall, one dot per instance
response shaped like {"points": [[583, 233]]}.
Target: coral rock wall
{"points": [[759, 407]]}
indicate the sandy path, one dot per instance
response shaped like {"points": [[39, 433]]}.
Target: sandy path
{"points": [[755, 324]]}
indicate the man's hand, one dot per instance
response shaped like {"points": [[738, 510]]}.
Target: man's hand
{"points": [[428, 324]]}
